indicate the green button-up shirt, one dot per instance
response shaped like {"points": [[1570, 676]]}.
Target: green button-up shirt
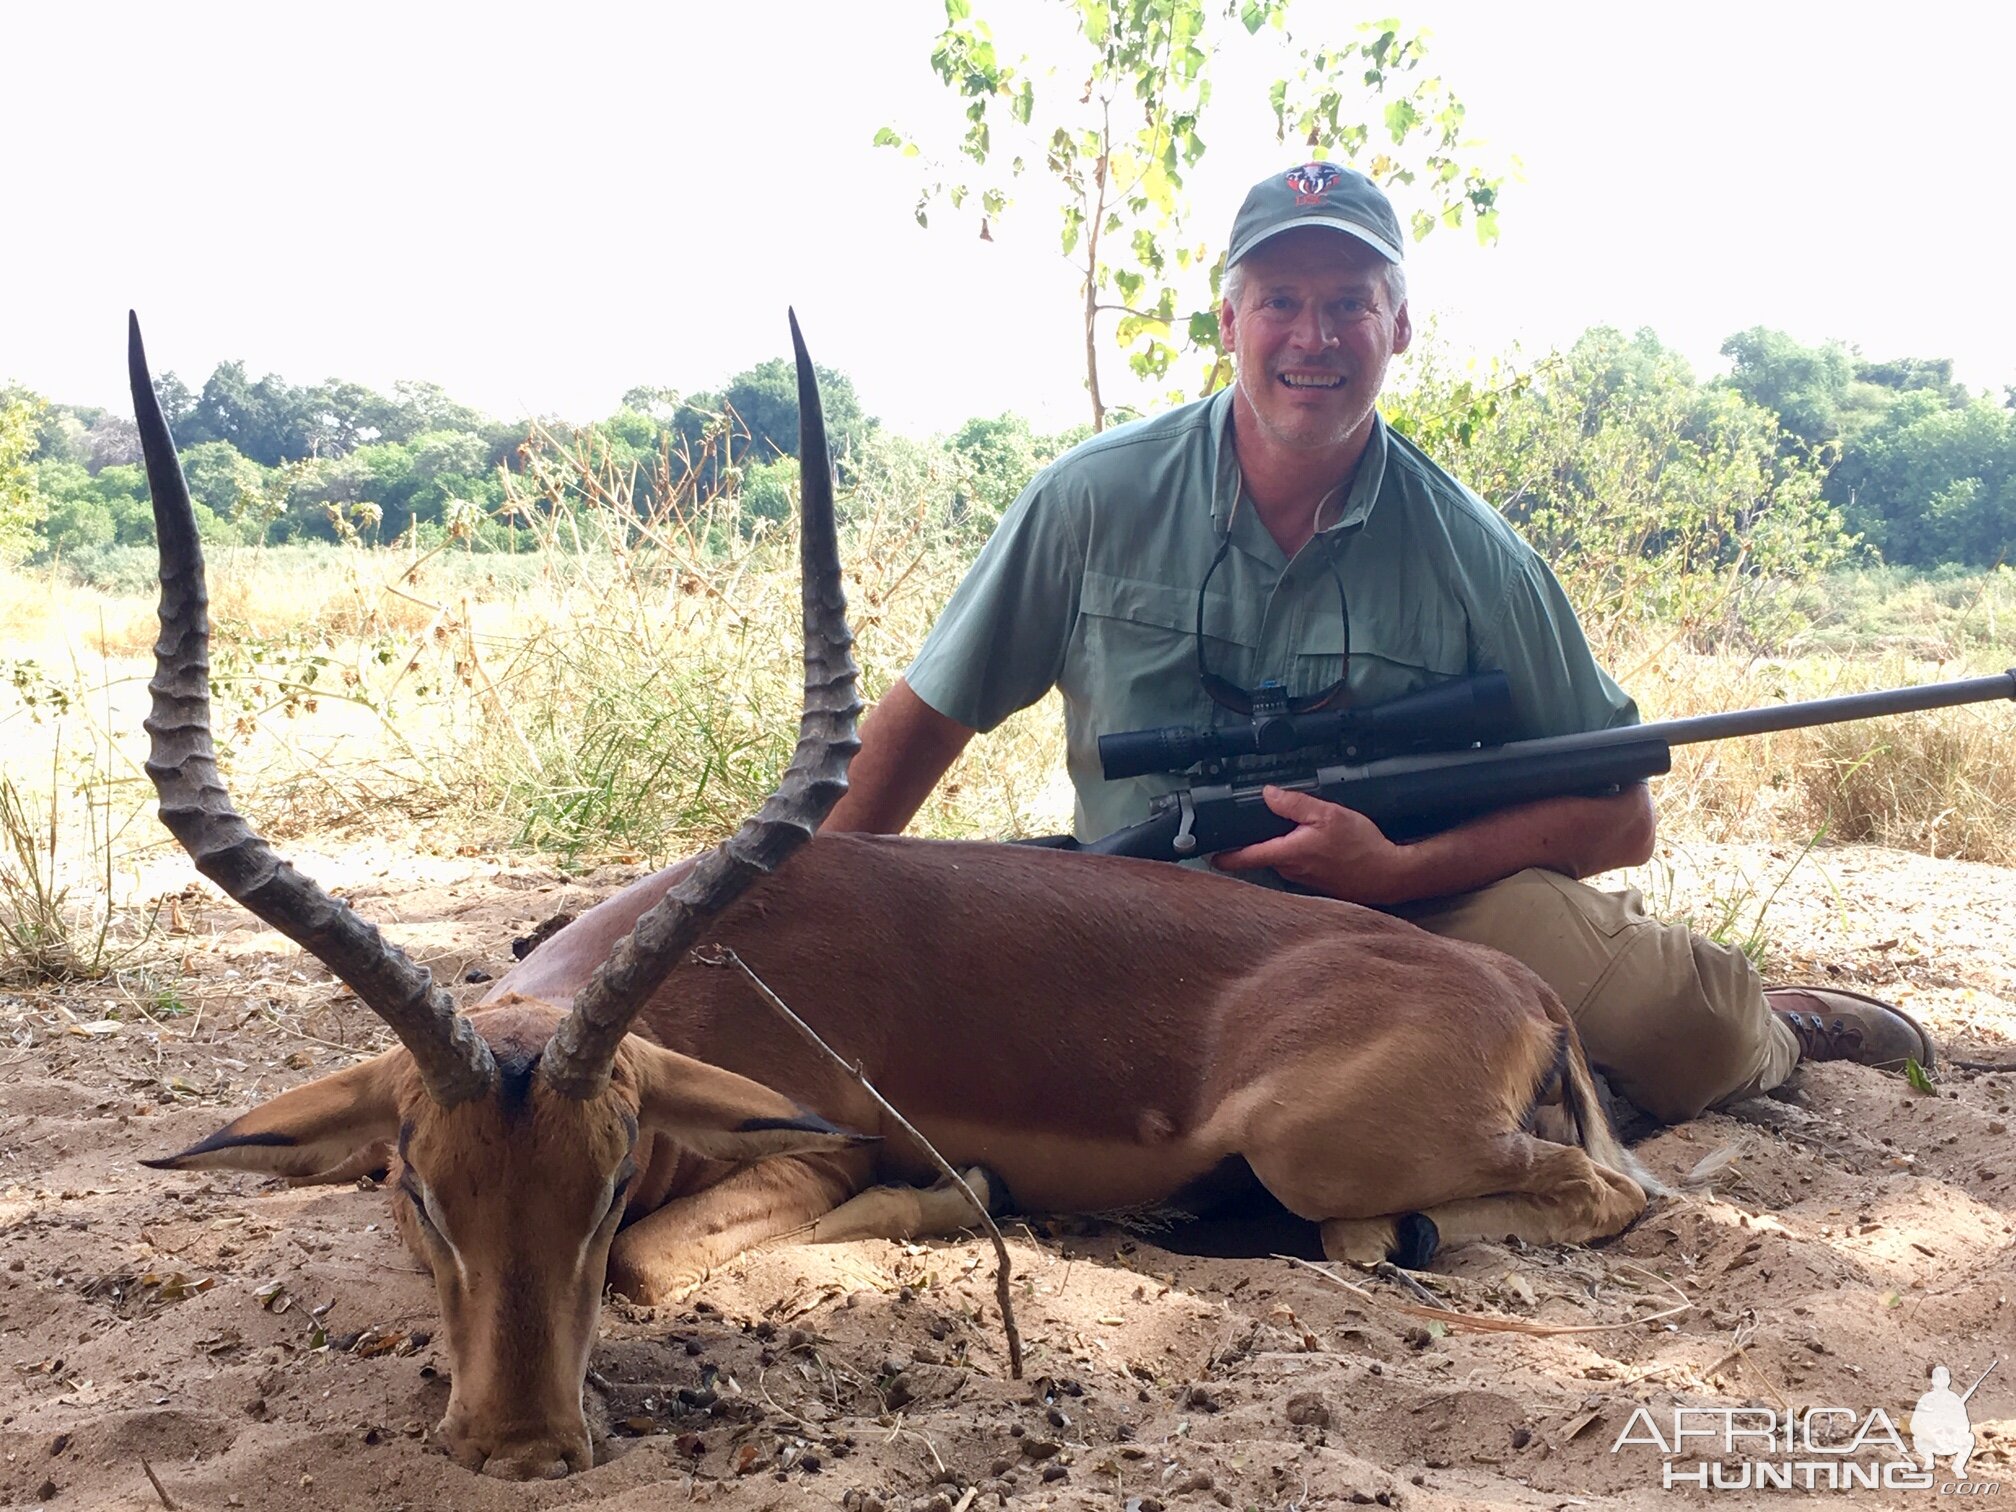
{"points": [[1090, 585]]}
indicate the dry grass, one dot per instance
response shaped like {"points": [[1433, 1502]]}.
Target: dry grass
{"points": [[59, 849], [1938, 782], [632, 695]]}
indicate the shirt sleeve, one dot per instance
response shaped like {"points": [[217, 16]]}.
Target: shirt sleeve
{"points": [[1557, 688], [1000, 643]]}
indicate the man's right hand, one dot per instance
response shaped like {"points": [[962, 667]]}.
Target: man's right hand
{"points": [[1332, 850]]}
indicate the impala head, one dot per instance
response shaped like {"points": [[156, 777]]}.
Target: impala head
{"points": [[512, 1137]]}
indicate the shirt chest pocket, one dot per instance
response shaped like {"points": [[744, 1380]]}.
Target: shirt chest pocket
{"points": [[1137, 645], [1136, 648], [1396, 647]]}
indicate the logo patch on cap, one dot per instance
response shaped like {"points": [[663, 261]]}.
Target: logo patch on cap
{"points": [[1311, 180]]}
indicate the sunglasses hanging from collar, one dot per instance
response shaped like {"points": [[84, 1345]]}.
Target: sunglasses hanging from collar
{"points": [[1268, 697]]}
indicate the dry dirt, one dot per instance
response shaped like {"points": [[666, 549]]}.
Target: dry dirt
{"points": [[257, 1346]]}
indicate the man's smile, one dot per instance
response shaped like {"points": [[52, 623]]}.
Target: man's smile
{"points": [[1312, 380]]}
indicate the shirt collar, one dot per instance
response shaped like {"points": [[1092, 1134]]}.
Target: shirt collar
{"points": [[1366, 482], [1358, 500]]}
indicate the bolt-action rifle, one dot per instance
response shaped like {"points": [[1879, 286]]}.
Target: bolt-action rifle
{"points": [[1427, 761]]}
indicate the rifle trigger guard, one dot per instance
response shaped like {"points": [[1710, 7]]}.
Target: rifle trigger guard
{"points": [[1184, 843]]}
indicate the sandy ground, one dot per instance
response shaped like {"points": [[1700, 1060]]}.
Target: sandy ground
{"points": [[256, 1346]]}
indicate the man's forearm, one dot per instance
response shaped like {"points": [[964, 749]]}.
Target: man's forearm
{"points": [[1577, 837], [906, 746]]}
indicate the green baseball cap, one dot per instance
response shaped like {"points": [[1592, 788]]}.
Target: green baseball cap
{"points": [[1317, 194]]}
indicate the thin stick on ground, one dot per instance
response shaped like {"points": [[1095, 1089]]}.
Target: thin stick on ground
{"points": [[1386, 1270], [1498, 1322], [159, 1489], [1003, 1270]]}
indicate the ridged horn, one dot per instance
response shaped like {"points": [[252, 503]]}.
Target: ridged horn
{"points": [[455, 1065], [578, 1058]]}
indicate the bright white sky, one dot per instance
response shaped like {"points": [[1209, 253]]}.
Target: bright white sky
{"points": [[540, 208]]}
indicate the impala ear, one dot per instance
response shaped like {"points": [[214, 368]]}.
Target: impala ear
{"points": [[328, 1130], [724, 1116]]}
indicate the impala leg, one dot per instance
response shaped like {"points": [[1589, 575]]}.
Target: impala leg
{"points": [[666, 1255], [903, 1212], [1563, 1197]]}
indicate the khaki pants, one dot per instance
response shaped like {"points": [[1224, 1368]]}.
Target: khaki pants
{"points": [[1677, 1023]]}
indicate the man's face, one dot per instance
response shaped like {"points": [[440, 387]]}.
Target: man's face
{"points": [[1311, 336]]}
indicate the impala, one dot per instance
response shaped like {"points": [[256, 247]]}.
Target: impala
{"points": [[1090, 1032]]}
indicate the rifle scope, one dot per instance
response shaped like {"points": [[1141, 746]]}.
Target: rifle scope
{"points": [[1464, 711]]}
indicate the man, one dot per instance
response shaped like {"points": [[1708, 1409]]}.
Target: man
{"points": [[1279, 530]]}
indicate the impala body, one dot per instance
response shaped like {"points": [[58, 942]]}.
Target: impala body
{"points": [[1089, 1032]]}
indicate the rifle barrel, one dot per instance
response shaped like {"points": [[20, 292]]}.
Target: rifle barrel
{"points": [[1700, 727], [1819, 711]]}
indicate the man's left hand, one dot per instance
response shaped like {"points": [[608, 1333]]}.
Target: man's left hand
{"points": [[1332, 850]]}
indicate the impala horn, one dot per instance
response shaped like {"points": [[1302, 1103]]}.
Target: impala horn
{"points": [[578, 1058], [455, 1065]]}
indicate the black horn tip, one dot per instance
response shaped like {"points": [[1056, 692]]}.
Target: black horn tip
{"points": [[136, 354], [812, 452]]}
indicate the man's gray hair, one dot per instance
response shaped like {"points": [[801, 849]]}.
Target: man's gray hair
{"points": [[1235, 280]]}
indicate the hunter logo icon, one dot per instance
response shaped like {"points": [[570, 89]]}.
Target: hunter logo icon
{"points": [[1311, 180], [1939, 1423]]}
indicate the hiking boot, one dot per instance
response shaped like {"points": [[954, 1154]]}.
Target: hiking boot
{"points": [[1831, 1024]]}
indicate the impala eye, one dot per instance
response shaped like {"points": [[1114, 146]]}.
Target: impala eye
{"points": [[419, 1200], [618, 1190]]}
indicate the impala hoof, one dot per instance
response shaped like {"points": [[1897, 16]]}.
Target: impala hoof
{"points": [[992, 1191], [1415, 1240]]}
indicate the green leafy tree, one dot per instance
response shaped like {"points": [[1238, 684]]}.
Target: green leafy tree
{"points": [[221, 477], [764, 400], [996, 458], [337, 417], [124, 490], [235, 409], [416, 408], [61, 437], [76, 518], [1654, 496], [660, 403], [769, 490], [1908, 373], [83, 512], [178, 402], [444, 453], [1115, 131], [21, 506], [1806, 387], [1928, 482], [753, 420]]}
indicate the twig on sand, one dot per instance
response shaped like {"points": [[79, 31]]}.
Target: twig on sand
{"points": [[723, 956], [1386, 1270], [1739, 1351], [1498, 1322], [159, 1489]]}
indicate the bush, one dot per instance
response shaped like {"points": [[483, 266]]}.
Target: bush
{"points": [[1655, 498]]}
